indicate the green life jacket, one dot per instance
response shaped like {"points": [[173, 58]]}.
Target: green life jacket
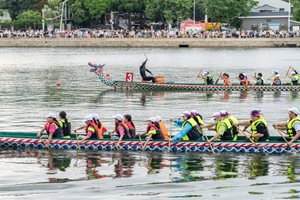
{"points": [[227, 135], [295, 79]]}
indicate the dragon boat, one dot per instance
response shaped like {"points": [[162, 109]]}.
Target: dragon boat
{"points": [[172, 86], [18, 140]]}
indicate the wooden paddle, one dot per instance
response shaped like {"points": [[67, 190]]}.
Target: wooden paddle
{"points": [[218, 78], [279, 131], [210, 145], [199, 74], [77, 139], [288, 71], [243, 132], [141, 143], [170, 134]]}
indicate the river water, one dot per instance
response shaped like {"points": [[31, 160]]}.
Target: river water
{"points": [[28, 92]]}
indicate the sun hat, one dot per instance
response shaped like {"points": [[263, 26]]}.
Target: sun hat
{"points": [[294, 110], [51, 115], [88, 118], [119, 117]]}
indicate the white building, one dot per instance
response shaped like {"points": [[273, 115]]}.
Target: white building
{"points": [[270, 14]]}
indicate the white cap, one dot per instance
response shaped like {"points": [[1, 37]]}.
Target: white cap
{"points": [[51, 115], [152, 119], [294, 110], [95, 116], [275, 72], [244, 74], [277, 76], [158, 118], [194, 111], [205, 73], [119, 117], [216, 115], [88, 118], [293, 73]]}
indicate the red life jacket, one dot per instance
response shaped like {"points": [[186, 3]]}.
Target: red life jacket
{"points": [[132, 130], [126, 130], [156, 136], [58, 131], [49, 123], [94, 125]]}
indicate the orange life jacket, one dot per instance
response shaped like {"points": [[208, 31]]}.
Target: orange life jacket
{"points": [[164, 130], [94, 125]]}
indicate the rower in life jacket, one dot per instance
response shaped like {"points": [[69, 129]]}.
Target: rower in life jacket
{"points": [[121, 128], [52, 127], [276, 78], [153, 130], [91, 129], [163, 128], [65, 124], [128, 121], [243, 79], [223, 129], [292, 126], [259, 127], [226, 80], [259, 79], [190, 129], [197, 117], [233, 121], [294, 77], [101, 129], [208, 78]]}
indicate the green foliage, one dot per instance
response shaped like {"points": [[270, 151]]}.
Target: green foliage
{"points": [[29, 18], [169, 10], [6, 24], [296, 9], [228, 11]]}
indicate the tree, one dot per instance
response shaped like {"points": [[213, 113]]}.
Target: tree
{"points": [[29, 18], [169, 10], [296, 9], [229, 11]]}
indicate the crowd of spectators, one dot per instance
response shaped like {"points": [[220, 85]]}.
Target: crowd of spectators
{"points": [[147, 33]]}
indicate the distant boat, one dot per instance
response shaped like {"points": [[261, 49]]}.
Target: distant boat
{"points": [[172, 86]]}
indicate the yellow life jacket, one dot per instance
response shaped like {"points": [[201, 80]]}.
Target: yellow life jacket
{"points": [[193, 134], [227, 135], [290, 127], [254, 129], [295, 79]]}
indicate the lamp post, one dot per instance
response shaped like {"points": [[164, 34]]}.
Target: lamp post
{"points": [[289, 17], [43, 20], [194, 18]]}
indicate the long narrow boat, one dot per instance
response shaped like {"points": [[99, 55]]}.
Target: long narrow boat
{"points": [[172, 86], [28, 140]]}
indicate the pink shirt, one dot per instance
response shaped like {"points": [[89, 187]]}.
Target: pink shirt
{"points": [[121, 130]]}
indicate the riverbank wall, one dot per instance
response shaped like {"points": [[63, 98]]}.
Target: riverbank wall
{"points": [[151, 43]]}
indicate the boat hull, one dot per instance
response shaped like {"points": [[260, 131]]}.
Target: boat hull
{"points": [[148, 86], [98, 145]]}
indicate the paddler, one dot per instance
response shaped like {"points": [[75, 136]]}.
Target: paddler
{"points": [[121, 128], [91, 129], [207, 77], [259, 79], [292, 126], [128, 121], [152, 131], [190, 130], [275, 78], [163, 128], [259, 127], [294, 77], [143, 71], [226, 80], [243, 79], [52, 127], [65, 124], [233, 121], [101, 128], [197, 117], [223, 129]]}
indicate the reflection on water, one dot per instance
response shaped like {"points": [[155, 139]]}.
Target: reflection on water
{"points": [[181, 168]]}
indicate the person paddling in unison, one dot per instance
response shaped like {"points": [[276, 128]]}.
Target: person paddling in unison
{"points": [[163, 128], [101, 128], [243, 79], [128, 121], [226, 80], [52, 127], [153, 132], [190, 130], [259, 127], [207, 77], [121, 129], [197, 117], [294, 77], [292, 126], [65, 124], [91, 129], [275, 78], [259, 79]]}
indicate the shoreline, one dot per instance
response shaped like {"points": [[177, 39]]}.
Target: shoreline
{"points": [[151, 43]]}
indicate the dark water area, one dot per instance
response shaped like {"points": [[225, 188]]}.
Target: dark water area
{"points": [[28, 92]]}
